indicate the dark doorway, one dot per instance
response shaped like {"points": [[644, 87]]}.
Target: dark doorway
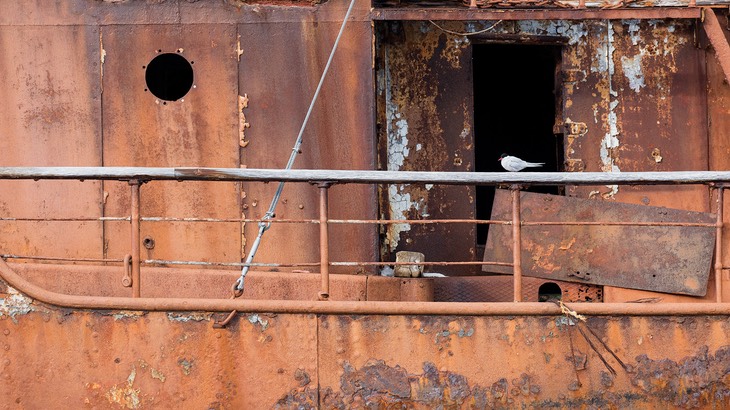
{"points": [[514, 112]]}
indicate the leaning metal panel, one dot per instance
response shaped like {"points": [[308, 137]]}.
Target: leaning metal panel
{"points": [[672, 259]]}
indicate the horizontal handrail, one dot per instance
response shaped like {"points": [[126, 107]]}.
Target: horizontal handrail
{"points": [[326, 178], [366, 176]]}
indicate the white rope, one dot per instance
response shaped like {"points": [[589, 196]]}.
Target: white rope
{"points": [[456, 33]]}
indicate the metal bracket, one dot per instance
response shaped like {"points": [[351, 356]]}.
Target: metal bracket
{"points": [[127, 278]]}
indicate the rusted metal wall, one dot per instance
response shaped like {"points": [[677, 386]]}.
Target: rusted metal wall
{"points": [[339, 134], [75, 94], [636, 99], [51, 115], [425, 123], [718, 101], [198, 130], [122, 359], [633, 98]]}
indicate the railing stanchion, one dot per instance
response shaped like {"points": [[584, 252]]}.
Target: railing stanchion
{"points": [[516, 243], [135, 234], [720, 190], [324, 258]]}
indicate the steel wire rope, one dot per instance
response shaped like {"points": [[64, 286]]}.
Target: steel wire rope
{"points": [[264, 225]]}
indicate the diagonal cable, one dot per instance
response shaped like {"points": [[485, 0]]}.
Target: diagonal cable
{"points": [[264, 224]]}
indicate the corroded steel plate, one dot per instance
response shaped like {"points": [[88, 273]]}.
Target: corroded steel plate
{"points": [[672, 259]]}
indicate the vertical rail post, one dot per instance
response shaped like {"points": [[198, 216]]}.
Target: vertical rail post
{"points": [[324, 257], [720, 190], [516, 243], [135, 233]]}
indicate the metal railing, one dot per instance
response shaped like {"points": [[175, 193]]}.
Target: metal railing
{"points": [[325, 179]]}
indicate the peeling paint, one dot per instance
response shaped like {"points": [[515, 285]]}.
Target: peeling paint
{"points": [[126, 395], [239, 50], [242, 124], [127, 314], [399, 203], [255, 318], [610, 141], [14, 304], [102, 57], [186, 365], [574, 32], [633, 31], [633, 72], [156, 374], [187, 317]]}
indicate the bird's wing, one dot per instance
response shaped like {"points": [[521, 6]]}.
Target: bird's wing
{"points": [[534, 164]]}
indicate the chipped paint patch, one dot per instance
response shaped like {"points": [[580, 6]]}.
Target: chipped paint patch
{"points": [[242, 123], [156, 374], [633, 29], [186, 365], [453, 48], [126, 395], [127, 314], [195, 317], [399, 203], [256, 319], [397, 141], [403, 201], [564, 28], [14, 304], [397, 127], [610, 142], [632, 71]]}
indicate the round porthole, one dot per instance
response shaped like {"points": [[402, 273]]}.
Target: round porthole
{"points": [[169, 76]]}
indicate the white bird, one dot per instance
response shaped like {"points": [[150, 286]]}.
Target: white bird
{"points": [[514, 164]]}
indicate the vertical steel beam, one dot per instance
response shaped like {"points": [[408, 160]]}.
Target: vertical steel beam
{"points": [[720, 190], [135, 234], [324, 257], [717, 39], [516, 243]]}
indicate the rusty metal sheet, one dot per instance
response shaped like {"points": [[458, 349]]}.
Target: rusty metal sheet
{"points": [[137, 360], [660, 108], [83, 12], [633, 107], [49, 89], [431, 362], [425, 110], [634, 100], [663, 259], [338, 135], [198, 130]]}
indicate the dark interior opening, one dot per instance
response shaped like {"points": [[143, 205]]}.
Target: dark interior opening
{"points": [[549, 291], [169, 76], [515, 101]]}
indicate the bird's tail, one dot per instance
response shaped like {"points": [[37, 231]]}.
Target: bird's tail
{"points": [[534, 164]]}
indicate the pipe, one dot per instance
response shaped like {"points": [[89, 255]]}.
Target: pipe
{"points": [[717, 38], [324, 253], [516, 244], [718, 244], [135, 235], [355, 307]]}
